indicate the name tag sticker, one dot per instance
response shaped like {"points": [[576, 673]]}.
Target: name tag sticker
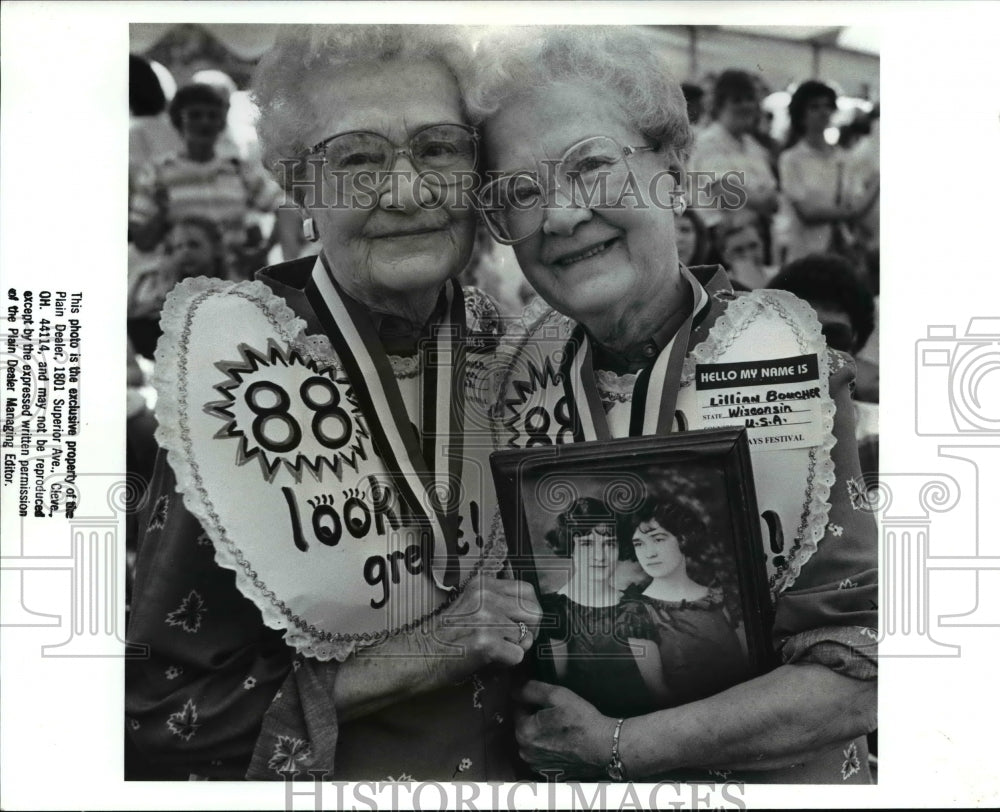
{"points": [[778, 400]]}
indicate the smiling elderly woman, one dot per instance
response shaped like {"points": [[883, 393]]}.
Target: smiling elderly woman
{"points": [[350, 118], [586, 139]]}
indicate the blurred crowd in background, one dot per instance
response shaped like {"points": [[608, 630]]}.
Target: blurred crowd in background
{"points": [[201, 204]]}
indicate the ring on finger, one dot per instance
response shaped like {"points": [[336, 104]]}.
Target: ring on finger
{"points": [[523, 629]]}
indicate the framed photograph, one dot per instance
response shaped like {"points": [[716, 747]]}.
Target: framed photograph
{"points": [[646, 556]]}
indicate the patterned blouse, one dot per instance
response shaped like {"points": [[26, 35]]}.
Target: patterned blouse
{"points": [[196, 704]]}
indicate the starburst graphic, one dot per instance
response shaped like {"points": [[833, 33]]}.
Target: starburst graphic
{"points": [[522, 402], [289, 412]]}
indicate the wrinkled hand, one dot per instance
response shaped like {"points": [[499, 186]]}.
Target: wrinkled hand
{"points": [[482, 625], [561, 732], [480, 628]]}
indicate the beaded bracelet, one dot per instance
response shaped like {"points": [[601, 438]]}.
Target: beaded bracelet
{"points": [[616, 770]]}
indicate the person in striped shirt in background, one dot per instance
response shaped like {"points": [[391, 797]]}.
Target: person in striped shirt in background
{"points": [[197, 181]]}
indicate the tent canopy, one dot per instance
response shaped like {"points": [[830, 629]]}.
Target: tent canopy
{"points": [[783, 55], [860, 39], [845, 55]]}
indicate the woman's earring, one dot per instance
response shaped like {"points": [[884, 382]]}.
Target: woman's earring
{"points": [[309, 229], [679, 204]]}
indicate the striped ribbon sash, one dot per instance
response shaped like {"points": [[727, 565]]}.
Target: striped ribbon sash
{"points": [[654, 398], [425, 470]]}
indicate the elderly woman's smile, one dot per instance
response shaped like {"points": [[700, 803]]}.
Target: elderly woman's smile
{"points": [[565, 258], [392, 228], [598, 261]]}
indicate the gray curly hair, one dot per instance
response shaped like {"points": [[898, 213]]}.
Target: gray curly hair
{"points": [[280, 89], [622, 61]]}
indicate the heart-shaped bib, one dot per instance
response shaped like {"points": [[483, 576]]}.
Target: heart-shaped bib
{"points": [[273, 455]]}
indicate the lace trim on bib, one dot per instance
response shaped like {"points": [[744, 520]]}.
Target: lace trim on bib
{"points": [[319, 349], [170, 380], [802, 321], [538, 310], [614, 388]]}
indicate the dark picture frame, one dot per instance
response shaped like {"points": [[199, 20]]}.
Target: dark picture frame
{"points": [[639, 616]]}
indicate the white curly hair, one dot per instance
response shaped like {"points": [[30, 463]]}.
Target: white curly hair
{"points": [[287, 110], [614, 58]]}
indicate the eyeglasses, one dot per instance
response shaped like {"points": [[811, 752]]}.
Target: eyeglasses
{"points": [[436, 148], [590, 173]]}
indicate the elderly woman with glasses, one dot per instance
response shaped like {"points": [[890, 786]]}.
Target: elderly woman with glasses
{"points": [[366, 128], [585, 141]]}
